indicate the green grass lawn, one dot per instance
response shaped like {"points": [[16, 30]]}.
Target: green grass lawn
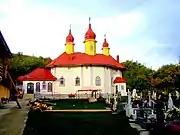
{"points": [[41, 123], [70, 104]]}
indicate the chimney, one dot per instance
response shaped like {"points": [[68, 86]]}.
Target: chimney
{"points": [[117, 58]]}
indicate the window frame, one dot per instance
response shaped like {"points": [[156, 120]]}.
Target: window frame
{"points": [[50, 90], [61, 79], [77, 81], [122, 86], [98, 81], [38, 84], [44, 85]]}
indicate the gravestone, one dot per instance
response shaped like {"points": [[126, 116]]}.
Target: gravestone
{"points": [[129, 105]]}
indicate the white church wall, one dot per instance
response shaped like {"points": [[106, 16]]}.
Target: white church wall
{"points": [[87, 75], [108, 84], [69, 75], [98, 72], [42, 90], [121, 87], [114, 73]]}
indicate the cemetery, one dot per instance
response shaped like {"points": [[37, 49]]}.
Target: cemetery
{"points": [[160, 114]]}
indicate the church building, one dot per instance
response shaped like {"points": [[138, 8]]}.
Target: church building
{"points": [[78, 72]]}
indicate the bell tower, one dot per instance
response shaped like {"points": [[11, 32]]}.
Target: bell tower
{"points": [[90, 42]]}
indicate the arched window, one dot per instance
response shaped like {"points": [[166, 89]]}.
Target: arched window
{"points": [[49, 87], [62, 81], [38, 87], [77, 81], [98, 81], [44, 85]]}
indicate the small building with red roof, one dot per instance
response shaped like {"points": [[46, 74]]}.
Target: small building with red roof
{"points": [[72, 72], [39, 80]]}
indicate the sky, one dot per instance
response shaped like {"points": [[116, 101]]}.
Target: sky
{"points": [[146, 31]]}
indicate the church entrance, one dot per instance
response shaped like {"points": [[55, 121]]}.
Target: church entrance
{"points": [[30, 88], [116, 89]]}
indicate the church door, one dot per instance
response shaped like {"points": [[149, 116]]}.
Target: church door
{"points": [[116, 89], [30, 88]]}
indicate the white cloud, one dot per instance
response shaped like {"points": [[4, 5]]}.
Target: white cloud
{"points": [[42, 31]]}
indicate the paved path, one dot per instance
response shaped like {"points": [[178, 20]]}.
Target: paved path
{"points": [[12, 119]]}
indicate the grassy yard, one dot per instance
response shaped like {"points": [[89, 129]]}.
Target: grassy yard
{"points": [[41, 123], [78, 104]]}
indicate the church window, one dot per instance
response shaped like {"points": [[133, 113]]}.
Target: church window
{"points": [[38, 87], [62, 81], [122, 87], [49, 87], [77, 81], [44, 85], [98, 81]]}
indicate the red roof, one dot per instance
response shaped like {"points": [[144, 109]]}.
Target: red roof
{"points": [[70, 38], [39, 74], [90, 34], [78, 58], [119, 80], [105, 44]]}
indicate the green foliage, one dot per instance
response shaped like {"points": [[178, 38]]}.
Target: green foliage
{"points": [[23, 64], [137, 75], [140, 77], [168, 76]]}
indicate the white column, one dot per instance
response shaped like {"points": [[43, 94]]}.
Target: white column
{"points": [[104, 91], [24, 86], [82, 77], [109, 84], [91, 72]]}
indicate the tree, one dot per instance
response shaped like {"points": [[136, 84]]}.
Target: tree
{"points": [[167, 77], [23, 64], [137, 75]]}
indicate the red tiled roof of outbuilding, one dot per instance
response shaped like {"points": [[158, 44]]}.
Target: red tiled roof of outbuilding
{"points": [[39, 74]]}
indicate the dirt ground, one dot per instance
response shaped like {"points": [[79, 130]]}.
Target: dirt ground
{"points": [[12, 119]]}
